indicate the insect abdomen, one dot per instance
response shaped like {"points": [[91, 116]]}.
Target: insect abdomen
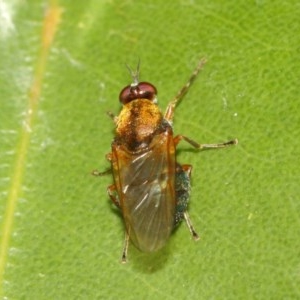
{"points": [[182, 191]]}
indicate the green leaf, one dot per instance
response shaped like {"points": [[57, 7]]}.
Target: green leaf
{"points": [[62, 68]]}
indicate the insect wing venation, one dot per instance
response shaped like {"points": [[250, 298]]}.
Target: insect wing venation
{"points": [[145, 185]]}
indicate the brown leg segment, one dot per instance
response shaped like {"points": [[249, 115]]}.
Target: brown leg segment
{"points": [[187, 169], [190, 226], [125, 248], [179, 138], [97, 173], [108, 156], [169, 114], [111, 191], [112, 116]]}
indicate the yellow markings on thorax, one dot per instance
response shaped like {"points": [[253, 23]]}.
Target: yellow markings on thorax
{"points": [[138, 120]]}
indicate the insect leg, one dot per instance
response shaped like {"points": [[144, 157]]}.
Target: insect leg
{"points": [[187, 169], [178, 138], [111, 191], [190, 226], [97, 173], [112, 116], [125, 248], [169, 114], [108, 156]]}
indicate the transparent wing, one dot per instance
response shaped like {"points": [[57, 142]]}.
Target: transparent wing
{"points": [[145, 183]]}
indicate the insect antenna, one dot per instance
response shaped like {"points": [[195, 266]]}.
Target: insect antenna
{"points": [[134, 74]]}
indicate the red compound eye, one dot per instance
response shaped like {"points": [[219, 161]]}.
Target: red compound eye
{"points": [[142, 90]]}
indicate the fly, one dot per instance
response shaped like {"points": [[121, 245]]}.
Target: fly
{"points": [[150, 187]]}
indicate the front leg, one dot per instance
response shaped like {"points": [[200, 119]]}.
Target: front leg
{"points": [[169, 114], [108, 156]]}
